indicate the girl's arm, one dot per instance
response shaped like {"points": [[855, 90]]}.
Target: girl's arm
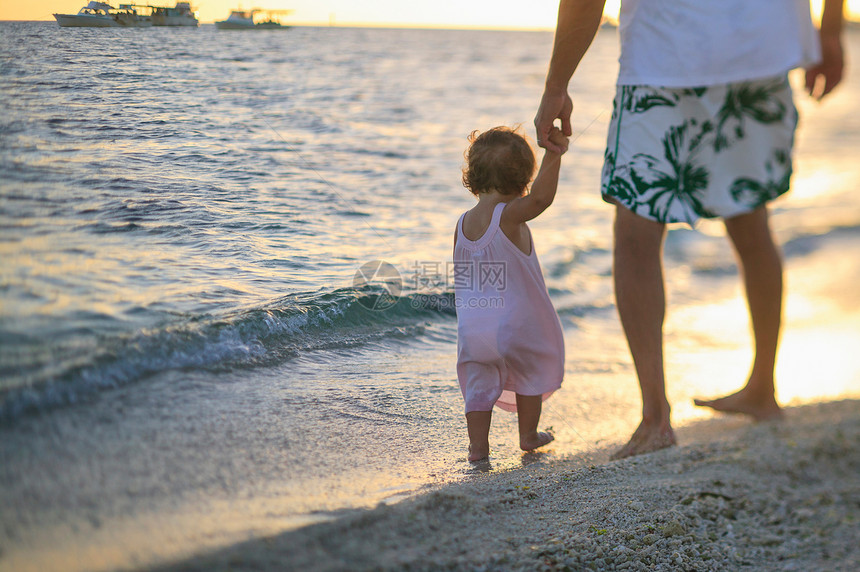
{"points": [[543, 188], [577, 24]]}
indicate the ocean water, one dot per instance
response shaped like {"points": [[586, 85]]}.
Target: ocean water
{"points": [[194, 341]]}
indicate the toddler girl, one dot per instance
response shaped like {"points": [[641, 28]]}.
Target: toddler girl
{"points": [[510, 350]]}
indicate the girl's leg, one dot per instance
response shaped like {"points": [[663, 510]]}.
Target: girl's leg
{"points": [[478, 425], [528, 416]]}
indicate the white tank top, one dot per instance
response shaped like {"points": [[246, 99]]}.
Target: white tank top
{"points": [[689, 43]]}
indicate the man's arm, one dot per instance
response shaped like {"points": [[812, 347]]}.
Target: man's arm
{"points": [[824, 76], [577, 24]]}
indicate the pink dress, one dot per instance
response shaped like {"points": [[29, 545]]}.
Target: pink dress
{"points": [[509, 338]]}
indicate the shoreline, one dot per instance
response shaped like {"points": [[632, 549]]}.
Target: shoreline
{"points": [[778, 495], [154, 473]]}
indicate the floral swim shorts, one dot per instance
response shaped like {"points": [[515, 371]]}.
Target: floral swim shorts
{"points": [[678, 154]]}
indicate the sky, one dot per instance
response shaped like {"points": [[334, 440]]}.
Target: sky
{"points": [[534, 14]]}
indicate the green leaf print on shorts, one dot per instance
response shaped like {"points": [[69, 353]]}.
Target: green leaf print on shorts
{"points": [[755, 193], [639, 99], [754, 101], [675, 180]]}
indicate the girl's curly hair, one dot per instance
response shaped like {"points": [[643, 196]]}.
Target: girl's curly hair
{"points": [[498, 159]]}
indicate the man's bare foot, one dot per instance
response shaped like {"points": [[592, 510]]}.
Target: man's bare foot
{"points": [[479, 452], [646, 439], [760, 408], [535, 440]]}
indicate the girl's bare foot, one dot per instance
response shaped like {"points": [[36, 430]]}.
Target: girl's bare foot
{"points": [[745, 402], [535, 440], [479, 452], [646, 439]]}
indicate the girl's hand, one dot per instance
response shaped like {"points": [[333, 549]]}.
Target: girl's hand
{"points": [[559, 140]]}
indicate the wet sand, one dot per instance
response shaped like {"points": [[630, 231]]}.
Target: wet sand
{"points": [[772, 496]]}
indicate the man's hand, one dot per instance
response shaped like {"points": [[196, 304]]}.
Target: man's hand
{"points": [[823, 77], [555, 104]]}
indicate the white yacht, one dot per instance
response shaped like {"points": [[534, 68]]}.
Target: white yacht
{"points": [[102, 15], [93, 15]]}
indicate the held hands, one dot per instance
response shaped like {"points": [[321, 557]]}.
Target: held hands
{"points": [[555, 104], [558, 141]]}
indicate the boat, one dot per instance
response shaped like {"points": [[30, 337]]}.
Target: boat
{"points": [[180, 15], [102, 15], [128, 16], [93, 15], [244, 20]]}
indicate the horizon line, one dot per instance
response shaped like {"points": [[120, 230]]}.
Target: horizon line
{"points": [[608, 22], [376, 25]]}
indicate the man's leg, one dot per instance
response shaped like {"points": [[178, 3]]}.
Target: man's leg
{"points": [[641, 303], [761, 267]]}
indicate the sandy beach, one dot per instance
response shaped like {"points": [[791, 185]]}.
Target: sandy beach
{"points": [[734, 495]]}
